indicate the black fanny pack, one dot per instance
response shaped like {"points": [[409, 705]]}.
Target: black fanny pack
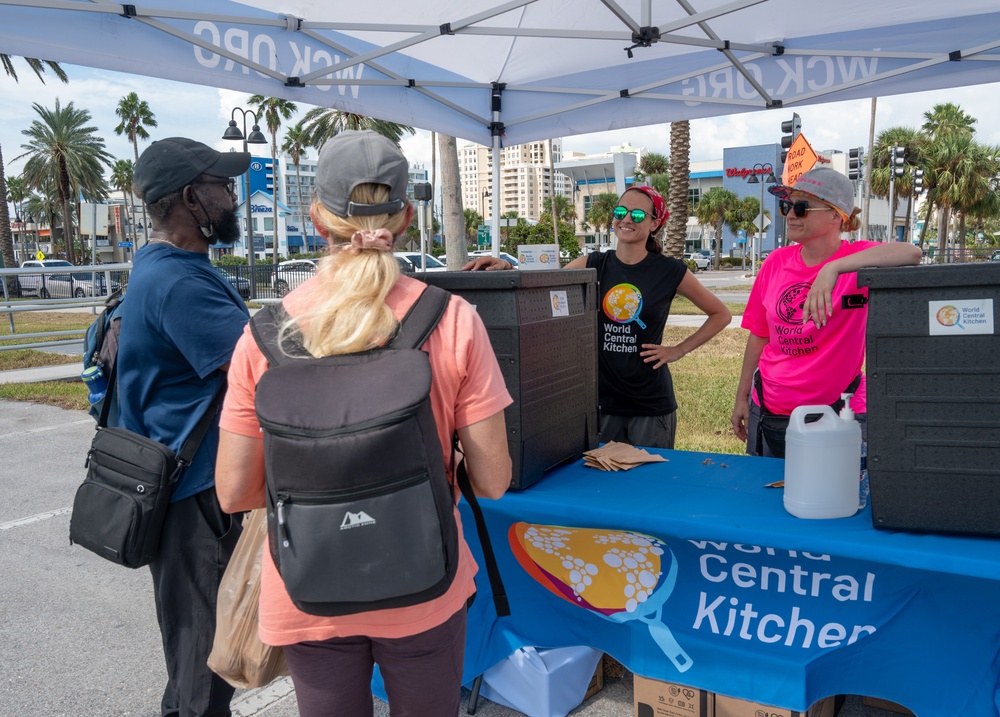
{"points": [[771, 426]]}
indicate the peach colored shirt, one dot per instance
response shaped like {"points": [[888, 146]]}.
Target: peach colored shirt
{"points": [[467, 387]]}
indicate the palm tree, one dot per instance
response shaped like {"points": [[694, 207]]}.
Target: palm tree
{"points": [[565, 211], [650, 164], [680, 150], [321, 123], [472, 221], [16, 193], [274, 110], [451, 201], [942, 124], [964, 177], [122, 174], [64, 150], [601, 213], [295, 147], [6, 240], [716, 209], [135, 118]]}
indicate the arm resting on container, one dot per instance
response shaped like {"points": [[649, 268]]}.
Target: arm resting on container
{"points": [[819, 304]]}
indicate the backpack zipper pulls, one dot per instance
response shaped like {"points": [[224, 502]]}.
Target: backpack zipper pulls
{"points": [[282, 533]]}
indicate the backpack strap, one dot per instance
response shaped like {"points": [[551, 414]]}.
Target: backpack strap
{"points": [[264, 327], [421, 320], [415, 328], [500, 601]]}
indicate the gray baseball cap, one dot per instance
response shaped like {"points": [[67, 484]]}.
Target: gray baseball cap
{"points": [[170, 164], [356, 157], [825, 184]]}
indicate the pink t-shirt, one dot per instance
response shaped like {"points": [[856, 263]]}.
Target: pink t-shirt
{"points": [[466, 388], [803, 365]]}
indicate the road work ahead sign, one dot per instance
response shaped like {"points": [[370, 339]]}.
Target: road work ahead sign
{"points": [[801, 159]]}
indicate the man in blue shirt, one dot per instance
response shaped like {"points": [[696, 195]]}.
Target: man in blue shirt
{"points": [[179, 327]]}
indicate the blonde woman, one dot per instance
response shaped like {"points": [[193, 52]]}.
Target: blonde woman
{"points": [[354, 303]]}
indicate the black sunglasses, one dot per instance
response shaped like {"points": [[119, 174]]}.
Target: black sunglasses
{"points": [[800, 208], [638, 215], [229, 183]]}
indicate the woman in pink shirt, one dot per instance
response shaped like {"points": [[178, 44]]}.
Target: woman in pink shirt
{"points": [[355, 301], [806, 314]]}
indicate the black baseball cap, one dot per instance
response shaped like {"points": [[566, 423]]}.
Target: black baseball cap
{"points": [[170, 164]]}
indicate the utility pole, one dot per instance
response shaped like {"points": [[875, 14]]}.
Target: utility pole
{"points": [[868, 173]]}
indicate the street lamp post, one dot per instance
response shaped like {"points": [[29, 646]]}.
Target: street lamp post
{"points": [[31, 228], [255, 136], [767, 172]]}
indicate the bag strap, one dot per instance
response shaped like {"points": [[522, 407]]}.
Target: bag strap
{"points": [[421, 320], [190, 447], [264, 327], [500, 601]]}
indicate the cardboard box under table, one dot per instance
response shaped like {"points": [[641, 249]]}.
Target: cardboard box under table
{"points": [[933, 370], [543, 327]]}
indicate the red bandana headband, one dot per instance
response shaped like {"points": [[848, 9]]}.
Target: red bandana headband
{"points": [[660, 212]]}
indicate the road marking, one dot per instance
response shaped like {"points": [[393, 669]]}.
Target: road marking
{"points": [[253, 702], [54, 427], [34, 518]]}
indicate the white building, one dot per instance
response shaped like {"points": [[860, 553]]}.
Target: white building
{"points": [[524, 178]]}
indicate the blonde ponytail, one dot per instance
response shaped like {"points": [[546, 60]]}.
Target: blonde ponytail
{"points": [[351, 314]]}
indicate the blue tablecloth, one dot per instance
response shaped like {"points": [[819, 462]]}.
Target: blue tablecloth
{"points": [[692, 571]]}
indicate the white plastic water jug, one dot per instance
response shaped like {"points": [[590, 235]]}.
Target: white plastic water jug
{"points": [[821, 464]]}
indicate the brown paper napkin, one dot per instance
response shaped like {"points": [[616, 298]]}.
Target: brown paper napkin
{"points": [[614, 456]]}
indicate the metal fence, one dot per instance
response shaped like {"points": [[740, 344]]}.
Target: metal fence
{"points": [[83, 288], [55, 288]]}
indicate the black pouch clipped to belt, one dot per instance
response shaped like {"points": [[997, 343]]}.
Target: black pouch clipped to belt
{"points": [[772, 426], [119, 508]]}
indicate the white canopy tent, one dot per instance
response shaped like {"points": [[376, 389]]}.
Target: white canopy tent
{"points": [[496, 71]]}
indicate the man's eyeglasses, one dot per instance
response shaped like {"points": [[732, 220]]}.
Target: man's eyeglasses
{"points": [[230, 184], [638, 215], [799, 208]]}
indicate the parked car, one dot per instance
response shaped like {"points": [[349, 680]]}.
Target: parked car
{"points": [[29, 284], [240, 283], [996, 256], [701, 262], [67, 286], [413, 259], [292, 273]]}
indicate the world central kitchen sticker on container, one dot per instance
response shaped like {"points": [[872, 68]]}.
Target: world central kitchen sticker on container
{"points": [[960, 317]]}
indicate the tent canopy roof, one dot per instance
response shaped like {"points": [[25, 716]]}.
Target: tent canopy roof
{"points": [[526, 69]]}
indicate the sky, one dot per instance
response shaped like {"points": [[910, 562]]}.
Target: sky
{"points": [[202, 113]]}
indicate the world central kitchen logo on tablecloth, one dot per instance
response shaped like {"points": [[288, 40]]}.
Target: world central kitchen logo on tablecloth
{"points": [[778, 599]]}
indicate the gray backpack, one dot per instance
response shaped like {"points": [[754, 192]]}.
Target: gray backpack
{"points": [[360, 508]]}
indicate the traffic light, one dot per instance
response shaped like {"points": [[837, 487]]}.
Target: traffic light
{"points": [[856, 163], [918, 181], [898, 161], [791, 129]]}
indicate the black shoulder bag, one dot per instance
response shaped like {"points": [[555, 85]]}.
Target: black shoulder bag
{"points": [[119, 509]]}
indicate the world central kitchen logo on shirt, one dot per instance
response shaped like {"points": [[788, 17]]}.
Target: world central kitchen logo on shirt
{"points": [[622, 306]]}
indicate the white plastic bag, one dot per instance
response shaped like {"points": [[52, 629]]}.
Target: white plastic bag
{"points": [[542, 682]]}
